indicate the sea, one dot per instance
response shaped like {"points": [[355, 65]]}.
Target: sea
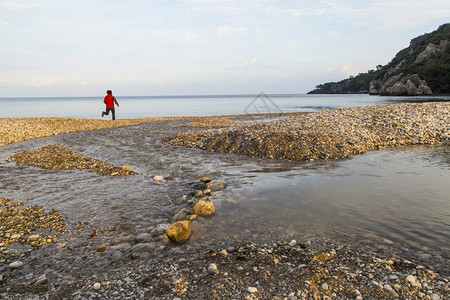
{"points": [[200, 105], [394, 202]]}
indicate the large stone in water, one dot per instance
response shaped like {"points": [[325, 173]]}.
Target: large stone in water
{"points": [[179, 231], [217, 185], [204, 208]]}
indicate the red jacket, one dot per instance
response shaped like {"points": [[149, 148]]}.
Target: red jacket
{"points": [[110, 100]]}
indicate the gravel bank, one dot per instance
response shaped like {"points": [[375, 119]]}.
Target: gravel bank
{"points": [[58, 157], [329, 134]]}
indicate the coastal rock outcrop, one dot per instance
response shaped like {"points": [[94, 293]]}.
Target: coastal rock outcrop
{"points": [[397, 85], [423, 68]]}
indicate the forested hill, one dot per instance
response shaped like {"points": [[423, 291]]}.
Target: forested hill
{"points": [[421, 69]]}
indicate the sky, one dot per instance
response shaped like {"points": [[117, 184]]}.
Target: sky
{"points": [[55, 48]]}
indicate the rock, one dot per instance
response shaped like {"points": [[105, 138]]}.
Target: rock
{"points": [[204, 208], [181, 200], [179, 231], [160, 229], [16, 264], [181, 215], [325, 286], [435, 297], [157, 178], [96, 286], [212, 269], [398, 85], [217, 185], [143, 247], [192, 217], [205, 179], [252, 290], [143, 237], [121, 246], [101, 248], [126, 169], [41, 280], [390, 290], [410, 278], [431, 50], [293, 243]]}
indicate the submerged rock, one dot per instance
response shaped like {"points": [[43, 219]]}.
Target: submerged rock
{"points": [[217, 185]]}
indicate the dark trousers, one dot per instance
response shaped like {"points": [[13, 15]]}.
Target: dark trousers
{"points": [[113, 110]]}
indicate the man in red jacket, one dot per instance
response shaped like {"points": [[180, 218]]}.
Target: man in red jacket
{"points": [[109, 101]]}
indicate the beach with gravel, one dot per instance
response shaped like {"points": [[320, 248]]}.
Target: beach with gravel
{"points": [[301, 268], [329, 134]]}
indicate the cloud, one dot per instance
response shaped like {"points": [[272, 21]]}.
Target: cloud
{"points": [[38, 82], [15, 7], [386, 13], [4, 23], [223, 31], [249, 62]]}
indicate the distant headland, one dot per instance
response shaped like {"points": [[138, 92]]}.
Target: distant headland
{"points": [[421, 69]]}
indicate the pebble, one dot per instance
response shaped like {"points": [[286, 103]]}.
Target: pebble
{"points": [[157, 178], [391, 291], [96, 286], [410, 278], [212, 269], [252, 290], [325, 286], [16, 265]]}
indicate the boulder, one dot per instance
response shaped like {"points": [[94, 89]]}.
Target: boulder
{"points": [[179, 231], [204, 208]]}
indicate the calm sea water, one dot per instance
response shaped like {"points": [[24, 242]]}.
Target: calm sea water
{"points": [[167, 106]]}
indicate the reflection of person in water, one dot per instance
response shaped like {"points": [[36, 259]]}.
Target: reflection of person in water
{"points": [[109, 101]]}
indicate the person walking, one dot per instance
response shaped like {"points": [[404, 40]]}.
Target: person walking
{"points": [[109, 101]]}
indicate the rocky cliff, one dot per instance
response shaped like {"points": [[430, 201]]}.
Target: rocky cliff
{"points": [[421, 69]]}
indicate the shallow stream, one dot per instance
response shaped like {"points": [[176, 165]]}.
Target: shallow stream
{"points": [[389, 201]]}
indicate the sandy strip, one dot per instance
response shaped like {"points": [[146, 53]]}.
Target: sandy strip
{"points": [[13, 130]]}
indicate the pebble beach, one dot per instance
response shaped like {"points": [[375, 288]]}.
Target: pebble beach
{"points": [[305, 268], [330, 134]]}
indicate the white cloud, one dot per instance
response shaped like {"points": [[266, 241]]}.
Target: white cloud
{"points": [[386, 13], [249, 62], [13, 6], [38, 82], [223, 31], [4, 23]]}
